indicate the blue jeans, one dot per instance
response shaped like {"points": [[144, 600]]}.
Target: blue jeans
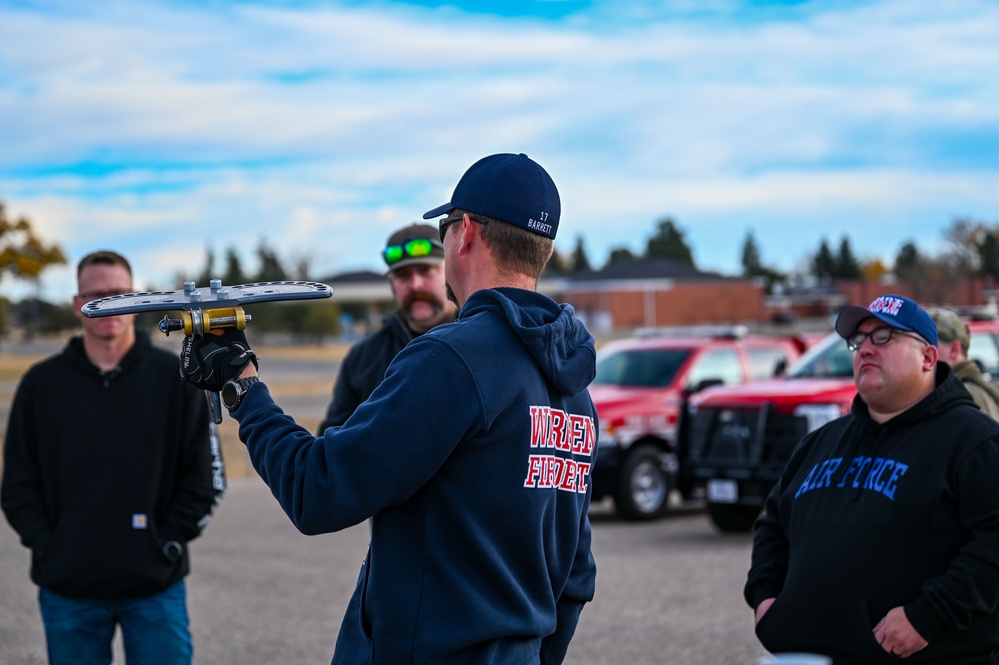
{"points": [[155, 629]]}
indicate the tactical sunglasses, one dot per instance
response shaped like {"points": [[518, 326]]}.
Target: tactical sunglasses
{"points": [[412, 249], [448, 221]]}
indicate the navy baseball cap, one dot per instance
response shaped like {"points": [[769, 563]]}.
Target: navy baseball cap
{"points": [[897, 311], [511, 188]]}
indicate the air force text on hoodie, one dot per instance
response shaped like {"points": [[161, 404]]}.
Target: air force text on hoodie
{"points": [[473, 457]]}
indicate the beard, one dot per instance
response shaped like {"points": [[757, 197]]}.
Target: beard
{"points": [[424, 323], [449, 292]]}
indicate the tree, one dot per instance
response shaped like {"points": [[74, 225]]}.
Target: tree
{"points": [[753, 266], [823, 263], [208, 272], [621, 255], [988, 254], [907, 260], [750, 257], [4, 316], [847, 265], [271, 269], [929, 277], [874, 270], [966, 236], [558, 264], [668, 242], [233, 269], [22, 253], [580, 262]]}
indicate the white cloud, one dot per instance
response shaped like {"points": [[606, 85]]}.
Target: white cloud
{"points": [[177, 126]]}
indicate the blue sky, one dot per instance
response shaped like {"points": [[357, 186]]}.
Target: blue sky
{"points": [[163, 128]]}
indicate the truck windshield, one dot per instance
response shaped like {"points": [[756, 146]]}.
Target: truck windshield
{"points": [[648, 368], [827, 359]]}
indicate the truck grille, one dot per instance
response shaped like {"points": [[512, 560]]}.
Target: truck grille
{"points": [[756, 440]]}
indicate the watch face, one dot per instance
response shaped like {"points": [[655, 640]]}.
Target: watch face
{"points": [[230, 395]]}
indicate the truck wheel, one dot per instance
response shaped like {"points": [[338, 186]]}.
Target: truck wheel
{"points": [[732, 518], [643, 487]]}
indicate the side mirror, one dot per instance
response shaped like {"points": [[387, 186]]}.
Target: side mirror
{"points": [[702, 385]]}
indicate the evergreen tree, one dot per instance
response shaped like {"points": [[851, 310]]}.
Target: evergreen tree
{"points": [[580, 262], [208, 272], [988, 254], [847, 265], [271, 269], [907, 260], [621, 255], [668, 242], [750, 258], [234, 274], [823, 263]]}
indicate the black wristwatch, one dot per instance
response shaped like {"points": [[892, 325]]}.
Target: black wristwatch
{"points": [[234, 389]]}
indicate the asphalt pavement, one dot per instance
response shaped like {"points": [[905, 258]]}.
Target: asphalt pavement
{"points": [[262, 593]]}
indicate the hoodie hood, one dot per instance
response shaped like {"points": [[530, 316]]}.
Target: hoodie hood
{"points": [[76, 354], [556, 340]]}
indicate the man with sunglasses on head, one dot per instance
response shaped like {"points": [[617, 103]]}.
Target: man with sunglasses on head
{"points": [[415, 260], [472, 456], [881, 538], [109, 471]]}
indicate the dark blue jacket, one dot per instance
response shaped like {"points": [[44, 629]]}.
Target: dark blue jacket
{"points": [[473, 458]]}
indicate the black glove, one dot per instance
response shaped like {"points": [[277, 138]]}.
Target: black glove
{"points": [[211, 360]]}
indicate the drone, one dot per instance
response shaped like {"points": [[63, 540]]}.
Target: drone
{"points": [[204, 309]]}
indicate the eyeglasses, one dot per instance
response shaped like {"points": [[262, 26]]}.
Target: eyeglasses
{"points": [[414, 249], [448, 221], [97, 295], [878, 336]]}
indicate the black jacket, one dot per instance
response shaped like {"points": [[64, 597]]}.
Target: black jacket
{"points": [[868, 517], [101, 470], [363, 368]]}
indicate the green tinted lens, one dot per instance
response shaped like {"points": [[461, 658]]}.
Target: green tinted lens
{"points": [[419, 247], [393, 254]]}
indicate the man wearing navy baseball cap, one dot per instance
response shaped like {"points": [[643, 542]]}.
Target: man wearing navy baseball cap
{"points": [[472, 456], [898, 312], [510, 188], [882, 535]]}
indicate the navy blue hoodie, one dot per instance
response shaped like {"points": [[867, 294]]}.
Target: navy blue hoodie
{"points": [[868, 517], [473, 458]]}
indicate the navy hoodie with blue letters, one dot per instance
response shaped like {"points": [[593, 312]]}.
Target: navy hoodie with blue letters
{"points": [[473, 458], [868, 517]]}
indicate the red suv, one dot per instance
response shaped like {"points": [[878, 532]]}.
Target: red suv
{"points": [[639, 390], [735, 441]]}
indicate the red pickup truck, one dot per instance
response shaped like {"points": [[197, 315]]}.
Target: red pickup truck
{"points": [[639, 390]]}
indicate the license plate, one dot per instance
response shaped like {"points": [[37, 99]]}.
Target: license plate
{"points": [[723, 491]]}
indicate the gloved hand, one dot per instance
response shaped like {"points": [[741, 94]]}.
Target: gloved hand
{"points": [[211, 360]]}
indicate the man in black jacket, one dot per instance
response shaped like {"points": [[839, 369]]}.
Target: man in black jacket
{"points": [[415, 260], [881, 538], [110, 469], [955, 341]]}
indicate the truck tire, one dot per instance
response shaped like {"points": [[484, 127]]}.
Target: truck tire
{"points": [[643, 488], [733, 518]]}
